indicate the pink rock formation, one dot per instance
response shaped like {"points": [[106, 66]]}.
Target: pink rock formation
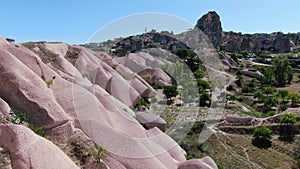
{"points": [[31, 151], [118, 80], [4, 111], [88, 94], [239, 120], [204, 163], [150, 120], [233, 119], [4, 108], [25, 90], [147, 67]]}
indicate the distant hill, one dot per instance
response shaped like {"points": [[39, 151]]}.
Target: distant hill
{"points": [[210, 24]]}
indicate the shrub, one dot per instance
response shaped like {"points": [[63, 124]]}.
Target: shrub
{"points": [[202, 84], [263, 132], [170, 91], [255, 114], [78, 150], [197, 127], [97, 155], [198, 74], [283, 94], [231, 97], [189, 57], [239, 81], [100, 153], [295, 98], [262, 136], [50, 81], [247, 89], [289, 119], [18, 117], [230, 88], [38, 130], [270, 113], [205, 99], [250, 87], [268, 89], [239, 73], [142, 102], [284, 107], [287, 130]]}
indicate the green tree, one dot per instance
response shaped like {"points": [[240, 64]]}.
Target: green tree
{"points": [[287, 122], [189, 57], [283, 94], [268, 75], [239, 80], [170, 91], [250, 87], [198, 74], [268, 90], [295, 98], [269, 102], [259, 96], [282, 69], [205, 99], [262, 137], [289, 74], [288, 119], [202, 84]]}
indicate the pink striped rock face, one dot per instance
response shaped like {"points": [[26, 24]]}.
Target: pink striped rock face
{"points": [[147, 67], [27, 150], [4, 111], [204, 163], [70, 89]]}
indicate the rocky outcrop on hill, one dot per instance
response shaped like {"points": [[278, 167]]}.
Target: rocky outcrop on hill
{"points": [[210, 24], [145, 41], [275, 42], [82, 99], [295, 38]]}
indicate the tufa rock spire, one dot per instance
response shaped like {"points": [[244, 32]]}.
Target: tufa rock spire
{"points": [[210, 24]]}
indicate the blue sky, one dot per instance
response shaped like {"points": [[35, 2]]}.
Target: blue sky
{"points": [[77, 20]]}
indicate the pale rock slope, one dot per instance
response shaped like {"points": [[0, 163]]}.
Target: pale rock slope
{"points": [[29, 150], [81, 97]]}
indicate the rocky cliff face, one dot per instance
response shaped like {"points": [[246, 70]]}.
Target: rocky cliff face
{"points": [[275, 42], [145, 41], [82, 100], [210, 24]]}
